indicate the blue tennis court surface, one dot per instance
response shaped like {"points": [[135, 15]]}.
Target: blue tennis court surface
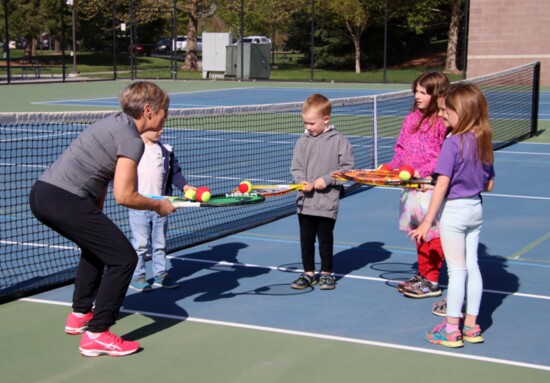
{"points": [[234, 97], [243, 280], [262, 96]]}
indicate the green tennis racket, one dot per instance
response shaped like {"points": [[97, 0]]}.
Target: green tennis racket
{"points": [[220, 200], [272, 190]]}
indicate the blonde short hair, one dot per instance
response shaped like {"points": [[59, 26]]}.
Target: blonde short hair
{"points": [[318, 102], [134, 97]]}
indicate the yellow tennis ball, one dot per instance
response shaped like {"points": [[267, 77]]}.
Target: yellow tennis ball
{"points": [[203, 194], [245, 187], [405, 175], [190, 194], [406, 172]]}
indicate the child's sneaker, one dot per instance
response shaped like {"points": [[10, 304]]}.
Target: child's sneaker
{"points": [[472, 334], [422, 289], [77, 325], [140, 284], [304, 281], [439, 308], [106, 343], [439, 335], [164, 280], [327, 282], [401, 285]]}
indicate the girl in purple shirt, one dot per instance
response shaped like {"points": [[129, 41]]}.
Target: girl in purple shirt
{"points": [[418, 146], [465, 169]]}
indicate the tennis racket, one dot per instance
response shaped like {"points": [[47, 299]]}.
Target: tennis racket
{"points": [[271, 190], [376, 177], [220, 200]]}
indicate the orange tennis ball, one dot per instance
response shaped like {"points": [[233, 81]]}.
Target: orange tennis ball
{"points": [[406, 172], [203, 194], [384, 167], [245, 187]]}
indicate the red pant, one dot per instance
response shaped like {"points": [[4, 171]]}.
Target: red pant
{"points": [[430, 259]]}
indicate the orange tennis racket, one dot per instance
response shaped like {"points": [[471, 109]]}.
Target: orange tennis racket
{"points": [[375, 177]]}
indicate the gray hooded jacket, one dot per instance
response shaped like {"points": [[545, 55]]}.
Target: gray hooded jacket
{"points": [[316, 157]]}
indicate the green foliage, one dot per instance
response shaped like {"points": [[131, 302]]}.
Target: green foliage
{"points": [[414, 27]]}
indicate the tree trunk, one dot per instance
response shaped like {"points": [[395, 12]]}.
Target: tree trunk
{"points": [[450, 63], [357, 44], [191, 60]]}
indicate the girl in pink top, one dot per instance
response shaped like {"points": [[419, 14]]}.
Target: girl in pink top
{"points": [[418, 146]]}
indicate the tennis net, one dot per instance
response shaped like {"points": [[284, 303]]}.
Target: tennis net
{"points": [[217, 147]]}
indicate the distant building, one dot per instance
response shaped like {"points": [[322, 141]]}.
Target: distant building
{"points": [[506, 34]]}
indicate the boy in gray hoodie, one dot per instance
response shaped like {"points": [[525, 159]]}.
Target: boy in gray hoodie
{"points": [[319, 152]]}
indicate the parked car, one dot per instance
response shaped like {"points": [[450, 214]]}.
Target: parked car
{"points": [[46, 41], [141, 50], [255, 40], [163, 46], [20, 43], [181, 43]]}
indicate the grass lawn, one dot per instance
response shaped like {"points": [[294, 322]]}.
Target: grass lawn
{"points": [[286, 67]]}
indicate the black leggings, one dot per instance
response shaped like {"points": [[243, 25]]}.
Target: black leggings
{"points": [[312, 227], [107, 260]]}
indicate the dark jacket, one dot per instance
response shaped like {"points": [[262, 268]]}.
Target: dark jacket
{"points": [[172, 170]]}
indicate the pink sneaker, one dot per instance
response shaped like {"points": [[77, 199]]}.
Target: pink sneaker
{"points": [[472, 334], [106, 344], [439, 335], [77, 325]]}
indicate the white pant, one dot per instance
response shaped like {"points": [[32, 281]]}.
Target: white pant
{"points": [[459, 227]]}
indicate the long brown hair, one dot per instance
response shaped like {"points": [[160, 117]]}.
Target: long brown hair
{"points": [[435, 83], [470, 105]]}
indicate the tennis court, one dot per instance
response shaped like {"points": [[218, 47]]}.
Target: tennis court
{"points": [[235, 318]]}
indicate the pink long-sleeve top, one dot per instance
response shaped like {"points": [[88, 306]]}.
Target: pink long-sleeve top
{"points": [[419, 148]]}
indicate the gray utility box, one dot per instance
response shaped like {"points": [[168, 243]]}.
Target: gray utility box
{"points": [[256, 61]]}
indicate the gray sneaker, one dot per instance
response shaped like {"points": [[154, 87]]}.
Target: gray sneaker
{"points": [[402, 285], [439, 308], [304, 281], [327, 282], [422, 289], [164, 280]]}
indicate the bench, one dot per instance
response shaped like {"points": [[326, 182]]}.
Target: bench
{"points": [[36, 70], [26, 70]]}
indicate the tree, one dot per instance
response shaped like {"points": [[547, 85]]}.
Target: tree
{"points": [[456, 15], [354, 16], [194, 8], [424, 14], [19, 25]]}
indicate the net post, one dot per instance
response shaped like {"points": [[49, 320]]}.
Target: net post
{"points": [[375, 132], [535, 105]]}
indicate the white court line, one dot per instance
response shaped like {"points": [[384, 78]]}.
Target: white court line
{"points": [[523, 153], [515, 196], [315, 335], [342, 276]]}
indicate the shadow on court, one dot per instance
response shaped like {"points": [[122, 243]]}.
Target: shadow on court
{"points": [[356, 258], [498, 280]]}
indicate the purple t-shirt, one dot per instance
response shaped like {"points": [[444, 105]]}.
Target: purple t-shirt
{"points": [[468, 175]]}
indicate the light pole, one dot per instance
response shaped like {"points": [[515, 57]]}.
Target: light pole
{"points": [[74, 73]]}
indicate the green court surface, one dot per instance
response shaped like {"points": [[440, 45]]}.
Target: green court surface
{"points": [[35, 349]]}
